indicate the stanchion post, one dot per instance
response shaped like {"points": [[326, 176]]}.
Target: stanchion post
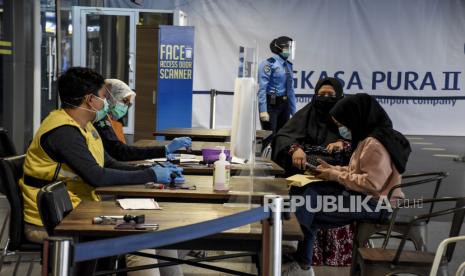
{"points": [[213, 94], [57, 258], [272, 230]]}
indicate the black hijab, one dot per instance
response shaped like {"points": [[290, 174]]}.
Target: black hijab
{"points": [[364, 117], [310, 125]]}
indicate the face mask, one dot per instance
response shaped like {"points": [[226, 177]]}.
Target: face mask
{"points": [[325, 103], [119, 110], [100, 114], [285, 53], [345, 133]]}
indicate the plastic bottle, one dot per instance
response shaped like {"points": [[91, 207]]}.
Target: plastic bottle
{"points": [[222, 173]]}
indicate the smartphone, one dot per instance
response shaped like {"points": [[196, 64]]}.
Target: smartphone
{"points": [[146, 226], [310, 166]]}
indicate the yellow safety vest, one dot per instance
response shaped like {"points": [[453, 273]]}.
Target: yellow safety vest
{"points": [[41, 166]]}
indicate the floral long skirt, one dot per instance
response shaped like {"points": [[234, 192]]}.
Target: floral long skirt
{"points": [[333, 247]]}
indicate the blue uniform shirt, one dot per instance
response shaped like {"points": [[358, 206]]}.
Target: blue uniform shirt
{"points": [[274, 78]]}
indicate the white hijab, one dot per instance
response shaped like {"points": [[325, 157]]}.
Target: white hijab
{"points": [[119, 90]]}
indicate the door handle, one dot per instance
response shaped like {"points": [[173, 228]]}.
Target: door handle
{"points": [[131, 66]]}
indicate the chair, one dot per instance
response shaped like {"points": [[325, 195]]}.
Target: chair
{"points": [[54, 205], [11, 169], [460, 270], [365, 229], [439, 255], [382, 261], [267, 152], [7, 147]]}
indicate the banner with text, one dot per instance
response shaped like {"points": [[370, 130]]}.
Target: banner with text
{"points": [[175, 77], [410, 54]]}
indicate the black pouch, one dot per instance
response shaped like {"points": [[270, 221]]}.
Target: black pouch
{"points": [[313, 153], [272, 99]]}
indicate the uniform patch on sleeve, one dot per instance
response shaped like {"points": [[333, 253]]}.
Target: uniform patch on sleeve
{"points": [[267, 69], [95, 134]]}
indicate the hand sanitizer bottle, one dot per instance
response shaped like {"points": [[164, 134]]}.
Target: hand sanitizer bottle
{"points": [[222, 173]]}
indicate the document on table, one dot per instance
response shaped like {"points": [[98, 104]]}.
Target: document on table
{"points": [[138, 204], [183, 159], [300, 180], [237, 160]]}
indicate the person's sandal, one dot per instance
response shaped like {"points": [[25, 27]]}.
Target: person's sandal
{"points": [[295, 269]]}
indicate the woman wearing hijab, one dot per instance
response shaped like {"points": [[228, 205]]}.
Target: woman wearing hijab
{"points": [[119, 96], [110, 129], [380, 156], [312, 125]]}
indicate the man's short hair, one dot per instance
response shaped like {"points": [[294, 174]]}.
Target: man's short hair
{"points": [[77, 82]]}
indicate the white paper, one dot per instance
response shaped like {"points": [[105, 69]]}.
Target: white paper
{"points": [[138, 204], [237, 160], [163, 159], [183, 159], [190, 158]]}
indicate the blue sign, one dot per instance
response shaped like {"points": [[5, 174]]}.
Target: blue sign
{"points": [[175, 77]]}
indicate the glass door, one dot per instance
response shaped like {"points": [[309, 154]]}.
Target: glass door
{"points": [[104, 40]]}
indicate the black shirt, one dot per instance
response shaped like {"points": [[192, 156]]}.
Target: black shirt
{"points": [[122, 152], [67, 145]]}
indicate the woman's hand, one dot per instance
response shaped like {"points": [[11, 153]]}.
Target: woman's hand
{"points": [[336, 146], [324, 165], [326, 171], [299, 158]]}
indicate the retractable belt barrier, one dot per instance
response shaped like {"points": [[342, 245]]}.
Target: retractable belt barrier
{"points": [[60, 253]]}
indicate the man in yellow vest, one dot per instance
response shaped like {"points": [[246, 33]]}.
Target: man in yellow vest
{"points": [[67, 147]]}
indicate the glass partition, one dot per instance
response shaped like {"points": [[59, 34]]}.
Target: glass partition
{"points": [[253, 176]]}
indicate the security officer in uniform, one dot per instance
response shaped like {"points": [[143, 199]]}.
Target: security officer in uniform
{"points": [[276, 98]]}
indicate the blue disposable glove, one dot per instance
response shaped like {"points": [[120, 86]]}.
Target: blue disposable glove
{"points": [[179, 179], [168, 164], [177, 143], [163, 174]]}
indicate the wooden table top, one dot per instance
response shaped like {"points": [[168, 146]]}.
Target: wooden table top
{"points": [[263, 167], [239, 189], [205, 133], [197, 146], [79, 222]]}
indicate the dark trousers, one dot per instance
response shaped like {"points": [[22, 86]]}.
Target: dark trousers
{"points": [[312, 221], [279, 115]]}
